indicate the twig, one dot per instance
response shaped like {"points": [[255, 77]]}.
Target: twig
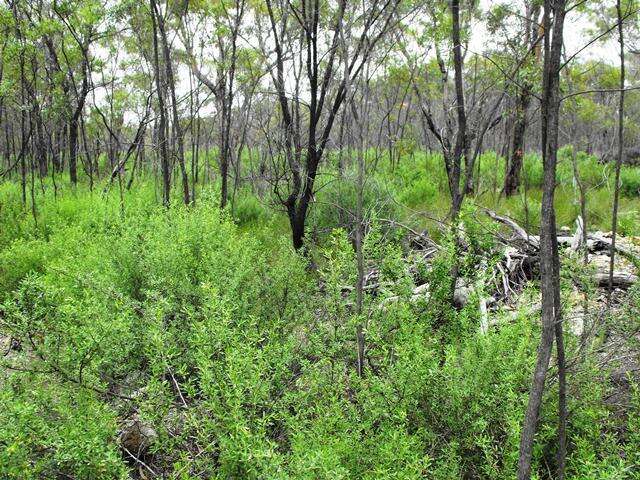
{"points": [[140, 462]]}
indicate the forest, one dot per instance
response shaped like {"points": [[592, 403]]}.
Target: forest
{"points": [[319, 239]]}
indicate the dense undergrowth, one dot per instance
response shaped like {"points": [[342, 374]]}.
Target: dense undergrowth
{"points": [[416, 189], [212, 331]]}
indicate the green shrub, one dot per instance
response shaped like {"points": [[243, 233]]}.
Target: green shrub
{"points": [[532, 172], [335, 204], [49, 430], [629, 223], [249, 209], [421, 192], [99, 302], [630, 182]]}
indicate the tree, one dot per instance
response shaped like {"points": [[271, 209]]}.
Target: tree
{"points": [[619, 158], [549, 258], [69, 48], [459, 140], [225, 18], [300, 27], [171, 85], [523, 90], [162, 126]]}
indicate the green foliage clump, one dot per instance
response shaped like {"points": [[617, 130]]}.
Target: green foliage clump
{"points": [[248, 209], [630, 182], [335, 205], [48, 430], [105, 304]]}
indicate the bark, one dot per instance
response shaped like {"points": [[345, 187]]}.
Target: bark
{"points": [[192, 136], [162, 124], [170, 80], [512, 178], [73, 151], [224, 157], [619, 159], [461, 147], [461, 143], [549, 263]]}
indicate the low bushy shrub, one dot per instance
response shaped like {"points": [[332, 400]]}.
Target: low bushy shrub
{"points": [[335, 203], [630, 182]]}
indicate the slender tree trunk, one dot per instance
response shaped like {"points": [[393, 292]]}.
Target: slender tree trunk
{"points": [[341, 144], [359, 213], [40, 149], [512, 178], [228, 111], [460, 149], [7, 138], [174, 105], [197, 149], [224, 155], [73, 151], [359, 249], [616, 193], [55, 154], [192, 138], [549, 261], [23, 135], [563, 412], [87, 155], [454, 168], [34, 212], [162, 124]]}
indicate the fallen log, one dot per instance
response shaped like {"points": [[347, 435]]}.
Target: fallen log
{"points": [[621, 280], [521, 233], [600, 242], [595, 241]]}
